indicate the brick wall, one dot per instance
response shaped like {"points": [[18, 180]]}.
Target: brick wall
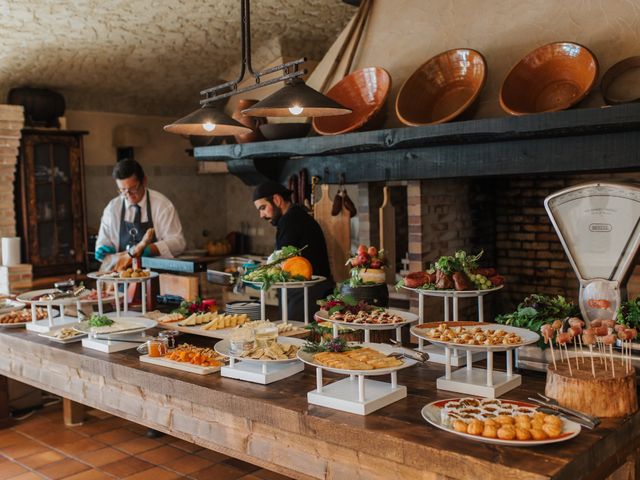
{"points": [[11, 123]]}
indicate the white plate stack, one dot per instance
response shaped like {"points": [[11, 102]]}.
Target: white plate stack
{"points": [[251, 309]]}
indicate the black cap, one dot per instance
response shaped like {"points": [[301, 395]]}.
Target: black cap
{"points": [[270, 188]]}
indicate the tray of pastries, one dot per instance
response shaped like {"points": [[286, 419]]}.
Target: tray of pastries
{"points": [[475, 335], [502, 422], [373, 319]]}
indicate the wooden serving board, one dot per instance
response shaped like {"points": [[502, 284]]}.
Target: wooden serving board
{"points": [[388, 234], [223, 333], [337, 233]]}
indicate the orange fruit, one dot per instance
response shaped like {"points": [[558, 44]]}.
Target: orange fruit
{"points": [[298, 266]]}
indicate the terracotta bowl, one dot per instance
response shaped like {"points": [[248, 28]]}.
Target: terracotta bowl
{"points": [[363, 91], [442, 88], [551, 78], [280, 131]]}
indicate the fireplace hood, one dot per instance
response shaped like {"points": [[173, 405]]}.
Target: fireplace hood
{"points": [[580, 140]]}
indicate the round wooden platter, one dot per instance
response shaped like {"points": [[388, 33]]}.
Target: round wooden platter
{"points": [[602, 396]]}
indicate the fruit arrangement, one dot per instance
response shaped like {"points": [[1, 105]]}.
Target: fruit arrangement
{"points": [[367, 266], [458, 272], [285, 265]]}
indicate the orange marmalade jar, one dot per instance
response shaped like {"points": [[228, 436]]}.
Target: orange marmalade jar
{"points": [[157, 347]]}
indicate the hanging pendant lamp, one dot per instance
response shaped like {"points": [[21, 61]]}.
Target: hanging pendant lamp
{"points": [[294, 99], [207, 121]]}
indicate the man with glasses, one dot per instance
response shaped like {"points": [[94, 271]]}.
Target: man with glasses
{"points": [[136, 209]]}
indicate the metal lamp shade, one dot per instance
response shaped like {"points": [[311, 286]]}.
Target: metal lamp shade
{"points": [[207, 121], [296, 99]]}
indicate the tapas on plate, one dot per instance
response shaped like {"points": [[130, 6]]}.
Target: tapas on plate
{"points": [[20, 318], [64, 335], [373, 317], [503, 422], [475, 335]]}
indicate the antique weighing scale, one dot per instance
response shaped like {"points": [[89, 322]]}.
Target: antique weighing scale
{"points": [[599, 227]]}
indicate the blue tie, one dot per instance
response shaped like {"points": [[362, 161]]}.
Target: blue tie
{"points": [[137, 214]]}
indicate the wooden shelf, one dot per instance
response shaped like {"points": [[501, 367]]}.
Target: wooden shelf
{"points": [[570, 141]]}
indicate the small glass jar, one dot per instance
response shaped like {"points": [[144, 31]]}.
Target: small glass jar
{"points": [[266, 336], [241, 340], [157, 347], [170, 337]]}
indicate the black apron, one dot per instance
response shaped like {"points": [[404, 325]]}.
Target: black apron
{"points": [[132, 232]]}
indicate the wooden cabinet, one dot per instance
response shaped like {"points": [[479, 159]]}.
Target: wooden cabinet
{"points": [[51, 201]]}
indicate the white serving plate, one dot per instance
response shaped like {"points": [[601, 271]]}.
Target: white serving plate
{"points": [[51, 336], [184, 366], [294, 284], [137, 324], [454, 293], [33, 296], [8, 305], [307, 358], [222, 347], [323, 316], [528, 337], [110, 277], [431, 413]]}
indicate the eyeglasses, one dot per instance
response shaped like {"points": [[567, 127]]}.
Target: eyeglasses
{"points": [[130, 191]]}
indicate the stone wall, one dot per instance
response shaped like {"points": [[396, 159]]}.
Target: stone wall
{"points": [[11, 122]]}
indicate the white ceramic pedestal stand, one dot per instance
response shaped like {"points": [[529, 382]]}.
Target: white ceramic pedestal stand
{"points": [[436, 353], [259, 371], [487, 383], [284, 286], [111, 344], [51, 322], [356, 393]]}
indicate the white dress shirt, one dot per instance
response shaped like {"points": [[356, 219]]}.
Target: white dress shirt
{"points": [[165, 219]]}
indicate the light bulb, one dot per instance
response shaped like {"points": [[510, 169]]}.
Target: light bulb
{"points": [[209, 127], [296, 110]]}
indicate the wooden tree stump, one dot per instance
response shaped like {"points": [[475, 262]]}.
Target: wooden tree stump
{"points": [[602, 396]]}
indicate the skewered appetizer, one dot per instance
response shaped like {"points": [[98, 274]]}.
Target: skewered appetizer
{"points": [[459, 272]]}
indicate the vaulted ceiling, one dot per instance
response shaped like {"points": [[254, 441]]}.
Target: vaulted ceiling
{"points": [[152, 56]]}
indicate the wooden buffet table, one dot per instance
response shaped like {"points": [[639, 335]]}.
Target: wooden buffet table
{"points": [[273, 426]]}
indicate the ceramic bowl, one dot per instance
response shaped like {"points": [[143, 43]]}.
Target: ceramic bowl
{"points": [[280, 131], [551, 78], [364, 92], [442, 88]]}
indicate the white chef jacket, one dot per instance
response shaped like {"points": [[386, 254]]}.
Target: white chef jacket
{"points": [[166, 223]]}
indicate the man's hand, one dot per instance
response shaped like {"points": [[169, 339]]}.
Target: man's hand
{"points": [[122, 261]]}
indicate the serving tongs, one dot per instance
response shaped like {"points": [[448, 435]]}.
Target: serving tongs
{"points": [[420, 357], [75, 292], [582, 418]]}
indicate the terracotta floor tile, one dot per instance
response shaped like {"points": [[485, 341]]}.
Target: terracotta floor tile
{"points": [[215, 457], [95, 427], [126, 467], [81, 446], [22, 449], [103, 456], [250, 476], [186, 446], [155, 474], [188, 464], [62, 469], [219, 471], [162, 455], [137, 445], [240, 465], [60, 437], [28, 476], [98, 414], [265, 474], [118, 435], [89, 475], [139, 429], [9, 469], [43, 458], [9, 437]]}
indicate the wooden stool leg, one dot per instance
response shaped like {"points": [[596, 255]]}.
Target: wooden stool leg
{"points": [[72, 412], [5, 413]]}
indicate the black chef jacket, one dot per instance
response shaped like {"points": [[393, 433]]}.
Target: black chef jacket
{"points": [[297, 228]]}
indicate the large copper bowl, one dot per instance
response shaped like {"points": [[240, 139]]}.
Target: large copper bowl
{"points": [[551, 78], [442, 88], [364, 92]]}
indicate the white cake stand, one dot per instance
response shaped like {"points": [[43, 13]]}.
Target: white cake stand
{"points": [[53, 320], [487, 383], [259, 371], [356, 393], [284, 286], [101, 278], [436, 353], [408, 317]]}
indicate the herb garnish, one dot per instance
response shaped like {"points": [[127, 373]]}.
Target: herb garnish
{"points": [[100, 321]]}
